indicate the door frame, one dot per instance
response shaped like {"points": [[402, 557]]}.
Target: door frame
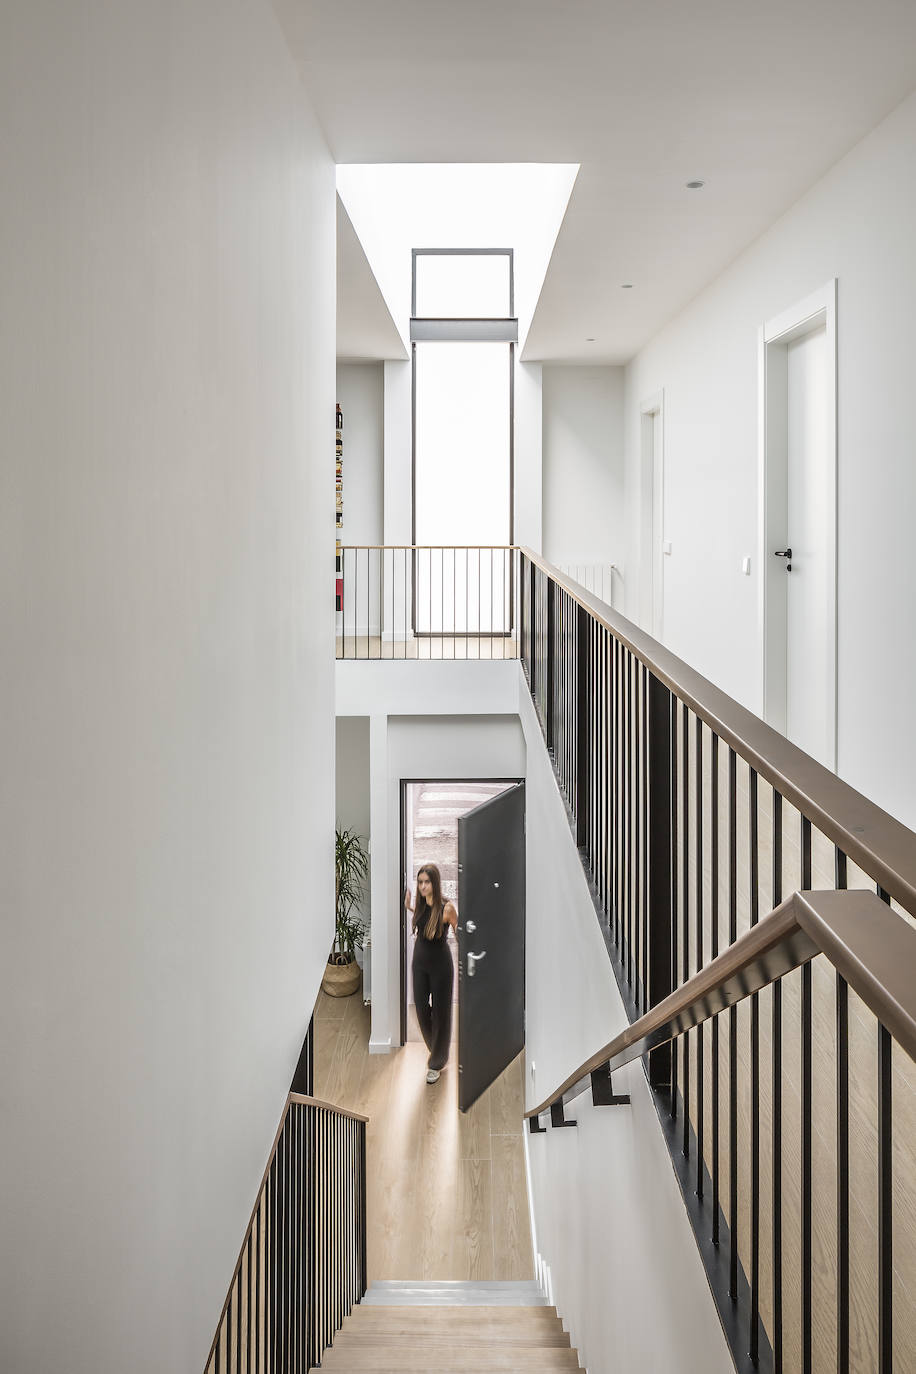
{"points": [[819, 308], [652, 513], [402, 863]]}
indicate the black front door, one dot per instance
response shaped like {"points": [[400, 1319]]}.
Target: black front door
{"points": [[491, 941]]}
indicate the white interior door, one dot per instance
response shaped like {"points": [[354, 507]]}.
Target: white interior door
{"points": [[651, 532], [808, 644], [798, 547]]}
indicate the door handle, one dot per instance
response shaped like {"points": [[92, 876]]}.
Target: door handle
{"points": [[470, 927], [472, 962], [784, 553]]}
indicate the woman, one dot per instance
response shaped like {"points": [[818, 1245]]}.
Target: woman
{"points": [[432, 965]]}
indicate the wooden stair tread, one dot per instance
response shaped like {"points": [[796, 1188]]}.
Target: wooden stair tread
{"points": [[398, 1359], [458, 1316], [445, 1337]]}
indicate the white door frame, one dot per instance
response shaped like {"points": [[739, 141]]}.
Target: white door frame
{"points": [[773, 340], [652, 512]]}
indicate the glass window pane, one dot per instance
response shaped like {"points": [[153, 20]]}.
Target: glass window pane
{"points": [[463, 286], [462, 443]]}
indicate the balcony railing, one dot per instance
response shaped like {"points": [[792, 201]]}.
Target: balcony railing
{"points": [[427, 602]]}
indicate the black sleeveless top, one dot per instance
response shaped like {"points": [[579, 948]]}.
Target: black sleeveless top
{"points": [[420, 926]]}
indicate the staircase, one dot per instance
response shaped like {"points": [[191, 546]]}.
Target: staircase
{"points": [[400, 1328]]}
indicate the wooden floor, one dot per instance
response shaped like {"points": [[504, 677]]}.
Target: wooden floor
{"points": [[435, 647], [447, 1191]]}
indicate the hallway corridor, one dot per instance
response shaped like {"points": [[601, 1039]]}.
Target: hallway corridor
{"points": [[447, 1197]]}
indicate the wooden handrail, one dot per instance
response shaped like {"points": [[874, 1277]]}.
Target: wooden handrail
{"points": [[872, 946], [328, 1107], [458, 548], [881, 845]]}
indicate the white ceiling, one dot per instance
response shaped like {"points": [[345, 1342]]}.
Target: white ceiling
{"points": [[757, 99], [365, 329]]}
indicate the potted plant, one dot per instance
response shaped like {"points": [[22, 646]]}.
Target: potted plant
{"points": [[351, 867]]}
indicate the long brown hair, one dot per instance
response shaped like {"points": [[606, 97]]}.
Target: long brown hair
{"points": [[431, 914]]}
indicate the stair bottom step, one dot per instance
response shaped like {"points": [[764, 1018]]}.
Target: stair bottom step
{"points": [[391, 1292]]}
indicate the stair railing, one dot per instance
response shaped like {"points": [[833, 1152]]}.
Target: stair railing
{"points": [[791, 1117], [873, 953], [302, 1265]]}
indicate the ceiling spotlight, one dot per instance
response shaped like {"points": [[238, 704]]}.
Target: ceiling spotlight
{"points": [[589, 340], [626, 286], [695, 185]]}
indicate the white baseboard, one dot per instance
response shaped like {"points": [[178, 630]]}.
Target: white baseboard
{"points": [[380, 1046]]}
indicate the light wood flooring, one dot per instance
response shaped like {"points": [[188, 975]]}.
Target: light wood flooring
{"points": [[447, 1194], [365, 646]]}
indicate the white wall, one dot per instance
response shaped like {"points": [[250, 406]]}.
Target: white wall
{"points": [[351, 802], [360, 394], [398, 454], [584, 499], [611, 1231], [528, 455], [858, 224], [166, 383]]}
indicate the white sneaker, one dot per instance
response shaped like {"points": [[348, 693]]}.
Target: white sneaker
{"points": [[433, 1076]]}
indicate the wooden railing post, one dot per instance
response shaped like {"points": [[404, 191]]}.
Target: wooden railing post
{"points": [[659, 842]]}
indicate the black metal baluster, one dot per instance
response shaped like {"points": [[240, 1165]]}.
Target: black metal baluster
{"points": [[582, 723], [629, 821], [674, 893], [312, 1229], [776, 1036], [330, 1230], [732, 1031], [644, 774], [267, 1262], [301, 1214], [238, 1322], [259, 1221], [713, 952], [842, 1147], [659, 919], [685, 912], [806, 1120], [364, 1252], [885, 1205], [698, 898], [250, 1334], [754, 876], [613, 792], [616, 783], [885, 1194], [283, 1241]]}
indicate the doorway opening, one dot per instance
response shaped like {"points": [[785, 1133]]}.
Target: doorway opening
{"points": [[430, 811], [652, 513], [798, 523]]}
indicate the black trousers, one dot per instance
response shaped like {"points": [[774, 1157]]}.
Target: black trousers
{"points": [[433, 977]]}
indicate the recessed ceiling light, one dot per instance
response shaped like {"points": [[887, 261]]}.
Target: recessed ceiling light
{"points": [[695, 185], [626, 286], [589, 340]]}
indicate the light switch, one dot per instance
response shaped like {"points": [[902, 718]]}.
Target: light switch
{"points": [[746, 566], [666, 547]]}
